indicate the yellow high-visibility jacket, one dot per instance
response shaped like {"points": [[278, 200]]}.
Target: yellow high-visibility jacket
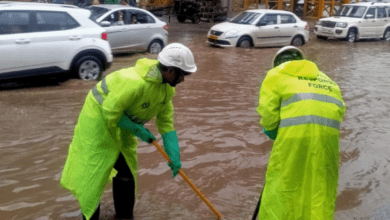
{"points": [[138, 93], [306, 108]]}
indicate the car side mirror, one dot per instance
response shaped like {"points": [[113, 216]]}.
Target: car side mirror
{"points": [[369, 16], [262, 23], [105, 24]]}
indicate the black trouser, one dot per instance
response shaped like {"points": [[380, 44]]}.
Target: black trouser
{"points": [[257, 207], [125, 174]]}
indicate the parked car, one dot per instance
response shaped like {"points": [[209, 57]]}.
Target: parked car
{"points": [[356, 21], [130, 28], [259, 28], [38, 39]]}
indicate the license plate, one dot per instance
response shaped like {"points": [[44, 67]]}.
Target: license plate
{"points": [[213, 37], [325, 31]]}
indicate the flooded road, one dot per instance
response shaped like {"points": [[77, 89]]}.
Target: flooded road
{"points": [[223, 150]]}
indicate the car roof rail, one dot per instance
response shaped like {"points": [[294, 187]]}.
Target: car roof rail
{"points": [[38, 3], [69, 6]]}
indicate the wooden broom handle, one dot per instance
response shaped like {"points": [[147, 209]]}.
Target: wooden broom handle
{"points": [[185, 177]]}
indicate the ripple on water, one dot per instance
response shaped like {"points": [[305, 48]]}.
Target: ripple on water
{"points": [[20, 206], [19, 189], [8, 182], [71, 214], [8, 170], [66, 198]]}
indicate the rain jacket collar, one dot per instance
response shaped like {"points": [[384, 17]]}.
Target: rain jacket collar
{"points": [[302, 68], [148, 70]]}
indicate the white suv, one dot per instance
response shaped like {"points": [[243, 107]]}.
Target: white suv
{"points": [[356, 21], [40, 39]]}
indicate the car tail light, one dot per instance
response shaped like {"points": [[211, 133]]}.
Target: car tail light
{"points": [[165, 27], [104, 35], [307, 27]]}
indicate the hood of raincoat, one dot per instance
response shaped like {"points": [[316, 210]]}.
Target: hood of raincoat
{"points": [[148, 70], [302, 68]]}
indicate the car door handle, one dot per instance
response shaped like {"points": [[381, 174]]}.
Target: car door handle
{"points": [[276, 27], [124, 29], [385, 20], [23, 41], [149, 26], [75, 37], [295, 26]]}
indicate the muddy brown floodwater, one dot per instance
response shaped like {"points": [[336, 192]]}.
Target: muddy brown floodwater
{"points": [[223, 149]]}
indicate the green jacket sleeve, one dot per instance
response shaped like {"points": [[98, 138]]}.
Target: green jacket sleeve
{"points": [[271, 134], [269, 102], [121, 96], [164, 120]]}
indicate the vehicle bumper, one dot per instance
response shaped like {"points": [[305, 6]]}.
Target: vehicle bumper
{"points": [[165, 38], [331, 32], [222, 42], [307, 36], [110, 58]]}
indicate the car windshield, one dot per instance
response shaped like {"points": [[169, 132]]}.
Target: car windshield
{"points": [[245, 18], [351, 11], [97, 12]]}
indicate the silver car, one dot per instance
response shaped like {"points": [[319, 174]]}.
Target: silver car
{"points": [[130, 28]]}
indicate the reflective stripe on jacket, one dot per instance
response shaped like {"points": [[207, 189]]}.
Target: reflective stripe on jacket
{"points": [[306, 108]]}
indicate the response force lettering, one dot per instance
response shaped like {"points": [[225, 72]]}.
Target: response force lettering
{"points": [[319, 79], [320, 86], [317, 85]]}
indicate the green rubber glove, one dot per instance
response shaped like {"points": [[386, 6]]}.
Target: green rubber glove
{"points": [[271, 134], [171, 147], [138, 130]]}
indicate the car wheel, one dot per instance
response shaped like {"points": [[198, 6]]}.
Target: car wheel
{"points": [[155, 47], [89, 68], [386, 35], [322, 37], [297, 41], [351, 36], [244, 42], [196, 19], [181, 18]]}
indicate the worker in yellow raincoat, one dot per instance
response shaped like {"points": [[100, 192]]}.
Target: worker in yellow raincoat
{"points": [[112, 117], [301, 109]]}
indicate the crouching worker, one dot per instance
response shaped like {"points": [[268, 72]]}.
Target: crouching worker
{"points": [[112, 117], [301, 109]]}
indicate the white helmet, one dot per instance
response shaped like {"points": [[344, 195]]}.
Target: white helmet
{"points": [[287, 53], [178, 55]]}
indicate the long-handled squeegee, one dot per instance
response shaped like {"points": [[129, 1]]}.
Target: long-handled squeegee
{"points": [[182, 174]]}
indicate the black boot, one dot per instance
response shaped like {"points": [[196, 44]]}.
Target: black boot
{"points": [[124, 198]]}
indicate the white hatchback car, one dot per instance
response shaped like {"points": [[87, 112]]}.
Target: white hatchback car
{"points": [[40, 39], [356, 21], [130, 28], [259, 28]]}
